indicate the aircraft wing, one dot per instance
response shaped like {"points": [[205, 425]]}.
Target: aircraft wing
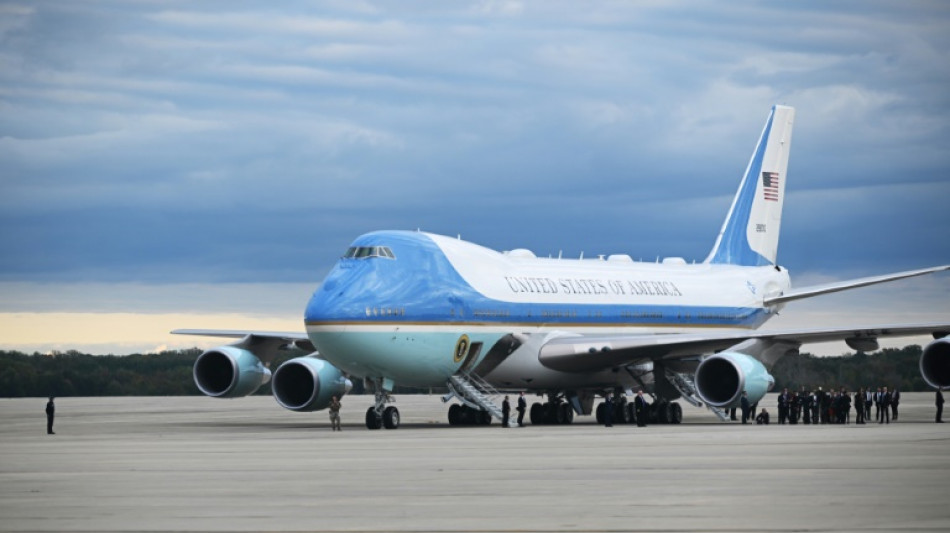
{"points": [[255, 337], [592, 353], [815, 290]]}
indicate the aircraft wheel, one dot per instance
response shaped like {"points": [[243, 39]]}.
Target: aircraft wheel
{"points": [[663, 413], [537, 414], [599, 412], [622, 414], [391, 418], [467, 416], [373, 420], [484, 418], [631, 413], [566, 413], [455, 414], [676, 413]]}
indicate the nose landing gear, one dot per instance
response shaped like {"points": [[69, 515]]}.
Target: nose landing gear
{"points": [[379, 415]]}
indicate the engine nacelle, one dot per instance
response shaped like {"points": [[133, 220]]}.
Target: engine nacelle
{"points": [[308, 383], [721, 378], [229, 372], [935, 363]]}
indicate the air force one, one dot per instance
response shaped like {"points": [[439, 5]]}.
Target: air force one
{"points": [[424, 310]]}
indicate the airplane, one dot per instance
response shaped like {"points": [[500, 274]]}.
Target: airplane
{"points": [[418, 309]]}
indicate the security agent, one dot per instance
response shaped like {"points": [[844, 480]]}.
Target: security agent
{"points": [[50, 414], [641, 407], [783, 401], [505, 412], [885, 416], [522, 406]]}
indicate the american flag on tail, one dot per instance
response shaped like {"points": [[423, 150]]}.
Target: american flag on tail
{"points": [[770, 185]]}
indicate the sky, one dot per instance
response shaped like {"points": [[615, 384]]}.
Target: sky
{"points": [[173, 164]]}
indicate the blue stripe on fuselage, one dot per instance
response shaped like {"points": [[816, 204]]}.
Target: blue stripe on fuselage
{"points": [[420, 286]]}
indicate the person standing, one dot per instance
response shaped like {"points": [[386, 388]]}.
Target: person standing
{"points": [[505, 412], [939, 404], [608, 411], [885, 417], [895, 399], [640, 406], [806, 399], [335, 406], [877, 404], [859, 407], [522, 406], [782, 406], [744, 405], [868, 400], [50, 414]]}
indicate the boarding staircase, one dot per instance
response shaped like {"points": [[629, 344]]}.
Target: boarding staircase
{"points": [[687, 387], [476, 393]]}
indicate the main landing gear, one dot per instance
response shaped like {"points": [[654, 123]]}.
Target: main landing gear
{"points": [[552, 412], [661, 412], [463, 415], [379, 415]]}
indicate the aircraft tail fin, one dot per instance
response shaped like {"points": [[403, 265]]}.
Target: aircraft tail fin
{"points": [[749, 236]]}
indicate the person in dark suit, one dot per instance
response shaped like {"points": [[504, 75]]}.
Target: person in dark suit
{"points": [[763, 418], [522, 406], [895, 400], [877, 404], [885, 417], [859, 407], [608, 410], [868, 400], [783, 406], [505, 412], [641, 406], [744, 405], [939, 404], [806, 399], [50, 414]]}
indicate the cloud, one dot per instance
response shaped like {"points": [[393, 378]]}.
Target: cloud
{"points": [[220, 143]]}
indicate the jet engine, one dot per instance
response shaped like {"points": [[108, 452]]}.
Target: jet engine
{"points": [[721, 378], [229, 372], [935, 363], [308, 383]]}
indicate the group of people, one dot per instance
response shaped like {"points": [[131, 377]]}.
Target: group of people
{"points": [[816, 407], [834, 406]]}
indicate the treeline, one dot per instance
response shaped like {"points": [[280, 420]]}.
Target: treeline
{"points": [[891, 367], [169, 373]]}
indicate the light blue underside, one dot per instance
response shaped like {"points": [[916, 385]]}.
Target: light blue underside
{"points": [[421, 288]]}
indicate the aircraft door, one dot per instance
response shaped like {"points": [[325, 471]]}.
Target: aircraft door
{"points": [[466, 352]]}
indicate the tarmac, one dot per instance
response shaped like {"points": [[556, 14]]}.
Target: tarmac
{"points": [[202, 464]]}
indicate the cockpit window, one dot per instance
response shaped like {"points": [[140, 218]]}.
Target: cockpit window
{"points": [[365, 252]]}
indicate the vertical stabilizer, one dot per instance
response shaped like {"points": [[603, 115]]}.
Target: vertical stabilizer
{"points": [[749, 237]]}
